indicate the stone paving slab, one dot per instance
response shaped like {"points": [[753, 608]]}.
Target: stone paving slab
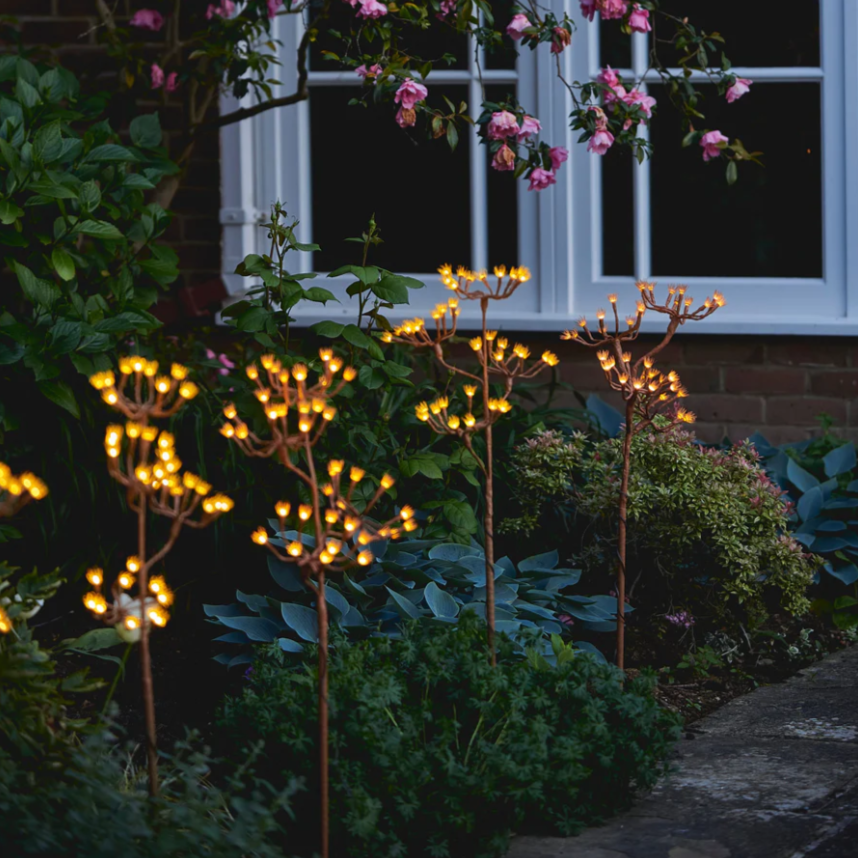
{"points": [[773, 774]]}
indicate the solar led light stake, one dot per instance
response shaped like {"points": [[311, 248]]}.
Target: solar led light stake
{"points": [[646, 391], [333, 534], [495, 359], [143, 459]]}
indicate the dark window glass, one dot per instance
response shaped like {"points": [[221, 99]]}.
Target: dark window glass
{"points": [[429, 44], [615, 47], [768, 224], [502, 192], [503, 57], [362, 163], [618, 225], [755, 34]]}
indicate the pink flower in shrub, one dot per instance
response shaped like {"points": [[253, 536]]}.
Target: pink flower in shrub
{"points": [[639, 19], [363, 72], [273, 6], [224, 9], [710, 142], [558, 155], [502, 124], [588, 9], [172, 83], [406, 117], [448, 7], [504, 159], [560, 40], [613, 8], [517, 25], [371, 9], [541, 179], [223, 360], [157, 76], [738, 89], [642, 100], [147, 19], [608, 77], [601, 141], [409, 93], [530, 125]]}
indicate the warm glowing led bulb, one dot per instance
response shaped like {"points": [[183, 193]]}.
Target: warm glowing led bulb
{"points": [[387, 481], [95, 576], [365, 557], [283, 508], [294, 549], [305, 511], [259, 536]]}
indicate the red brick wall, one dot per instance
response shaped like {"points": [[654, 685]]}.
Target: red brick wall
{"points": [[67, 30], [738, 385]]}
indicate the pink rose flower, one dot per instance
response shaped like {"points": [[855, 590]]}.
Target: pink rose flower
{"points": [[639, 19], [157, 76], [588, 9], [601, 141], [738, 89], [273, 6], [224, 9], [504, 159], [363, 72], [371, 9], [516, 25], [558, 155], [406, 117], [560, 40], [529, 126], [502, 124], [613, 8], [409, 93], [541, 179], [608, 77], [172, 83], [645, 102], [147, 19], [227, 364], [710, 142], [448, 7]]}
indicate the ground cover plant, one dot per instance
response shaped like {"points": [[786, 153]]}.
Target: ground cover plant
{"points": [[436, 752]]}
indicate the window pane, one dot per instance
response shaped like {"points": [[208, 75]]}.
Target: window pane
{"points": [[502, 58], [615, 47], [618, 213], [755, 34], [430, 45], [362, 163], [769, 224], [502, 192]]}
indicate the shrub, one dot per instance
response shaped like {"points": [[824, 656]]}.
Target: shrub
{"points": [[94, 805], [436, 753], [708, 530]]}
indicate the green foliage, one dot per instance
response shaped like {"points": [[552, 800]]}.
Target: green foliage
{"points": [[701, 661], [436, 584], [33, 719], [542, 470], [708, 530], [78, 235], [96, 804], [436, 753]]}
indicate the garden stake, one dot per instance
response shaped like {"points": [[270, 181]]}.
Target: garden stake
{"points": [[341, 533], [155, 485], [16, 492], [492, 354], [646, 392]]}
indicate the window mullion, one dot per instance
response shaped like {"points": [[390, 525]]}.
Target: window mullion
{"points": [[479, 190], [643, 234]]}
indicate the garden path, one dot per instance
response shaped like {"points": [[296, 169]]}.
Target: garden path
{"points": [[773, 774]]}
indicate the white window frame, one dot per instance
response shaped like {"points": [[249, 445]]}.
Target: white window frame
{"points": [[267, 158]]}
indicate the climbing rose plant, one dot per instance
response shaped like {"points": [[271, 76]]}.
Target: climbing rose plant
{"points": [[228, 46]]}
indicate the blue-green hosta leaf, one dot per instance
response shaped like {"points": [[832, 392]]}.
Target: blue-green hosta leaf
{"points": [[799, 477], [252, 601], [540, 562], [233, 638], [219, 611], [840, 460], [440, 603], [452, 552], [302, 620], [847, 574], [256, 628], [590, 649], [810, 503], [337, 600], [241, 658], [559, 582], [404, 605], [607, 417], [831, 526], [823, 544], [842, 503], [506, 567], [288, 645], [285, 574]]}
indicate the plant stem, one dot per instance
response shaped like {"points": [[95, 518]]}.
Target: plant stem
{"points": [[488, 520], [323, 712], [621, 532], [119, 672], [145, 659]]}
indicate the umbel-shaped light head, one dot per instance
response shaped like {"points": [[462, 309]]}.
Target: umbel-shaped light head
{"points": [[16, 490]]}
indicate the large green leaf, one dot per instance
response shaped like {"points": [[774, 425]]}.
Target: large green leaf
{"points": [[100, 229], [63, 263], [48, 143], [110, 152], [327, 329], [392, 288], [146, 131], [40, 292], [440, 603], [61, 394]]}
